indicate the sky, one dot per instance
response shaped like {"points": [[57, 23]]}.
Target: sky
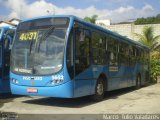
{"points": [[115, 10]]}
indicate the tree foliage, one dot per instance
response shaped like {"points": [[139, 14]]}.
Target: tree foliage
{"points": [[91, 19], [155, 68], [147, 38], [148, 20]]}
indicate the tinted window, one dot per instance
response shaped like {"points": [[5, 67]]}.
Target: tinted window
{"points": [[112, 44], [82, 50], [99, 48], [0, 54], [8, 39], [70, 55]]}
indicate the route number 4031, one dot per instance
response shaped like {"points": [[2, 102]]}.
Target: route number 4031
{"points": [[28, 36]]}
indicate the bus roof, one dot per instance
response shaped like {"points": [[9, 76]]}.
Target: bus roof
{"points": [[123, 38]]}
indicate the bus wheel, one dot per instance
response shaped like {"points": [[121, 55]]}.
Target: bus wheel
{"points": [[99, 90], [138, 82]]}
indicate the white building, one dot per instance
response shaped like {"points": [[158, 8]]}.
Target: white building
{"points": [[103, 22], [15, 21]]}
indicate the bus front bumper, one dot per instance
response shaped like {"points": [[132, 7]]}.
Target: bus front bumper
{"points": [[61, 91]]}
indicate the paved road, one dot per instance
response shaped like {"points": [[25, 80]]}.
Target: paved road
{"points": [[144, 100]]}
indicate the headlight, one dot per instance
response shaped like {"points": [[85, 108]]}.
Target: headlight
{"points": [[15, 81], [56, 82]]}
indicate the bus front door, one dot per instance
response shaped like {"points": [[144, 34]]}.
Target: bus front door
{"points": [[83, 74]]}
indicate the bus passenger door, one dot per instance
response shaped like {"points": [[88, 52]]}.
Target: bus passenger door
{"points": [[132, 67], [83, 74], [115, 69], [123, 57]]}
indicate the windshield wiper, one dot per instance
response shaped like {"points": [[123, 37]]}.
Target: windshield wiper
{"points": [[45, 35], [30, 47]]}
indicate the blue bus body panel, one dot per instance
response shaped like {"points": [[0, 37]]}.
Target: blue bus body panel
{"points": [[62, 91], [44, 86], [4, 86], [84, 83]]}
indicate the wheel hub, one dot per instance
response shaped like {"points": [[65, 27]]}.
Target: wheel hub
{"points": [[100, 89]]}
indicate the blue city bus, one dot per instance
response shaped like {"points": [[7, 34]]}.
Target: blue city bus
{"points": [[6, 37], [67, 57]]}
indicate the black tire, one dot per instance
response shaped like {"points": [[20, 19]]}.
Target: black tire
{"points": [[138, 82], [99, 90]]}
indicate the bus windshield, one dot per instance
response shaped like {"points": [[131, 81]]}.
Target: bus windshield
{"points": [[38, 50]]}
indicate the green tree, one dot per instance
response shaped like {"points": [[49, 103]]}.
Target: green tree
{"points": [[91, 19], [147, 38], [148, 20], [158, 16], [155, 65]]}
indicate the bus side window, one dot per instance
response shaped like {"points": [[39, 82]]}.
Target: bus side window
{"points": [[70, 55], [121, 51], [99, 48], [8, 39], [0, 54], [82, 49], [138, 55], [113, 59], [113, 52]]}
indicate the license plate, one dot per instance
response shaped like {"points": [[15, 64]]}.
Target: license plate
{"points": [[32, 90]]}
